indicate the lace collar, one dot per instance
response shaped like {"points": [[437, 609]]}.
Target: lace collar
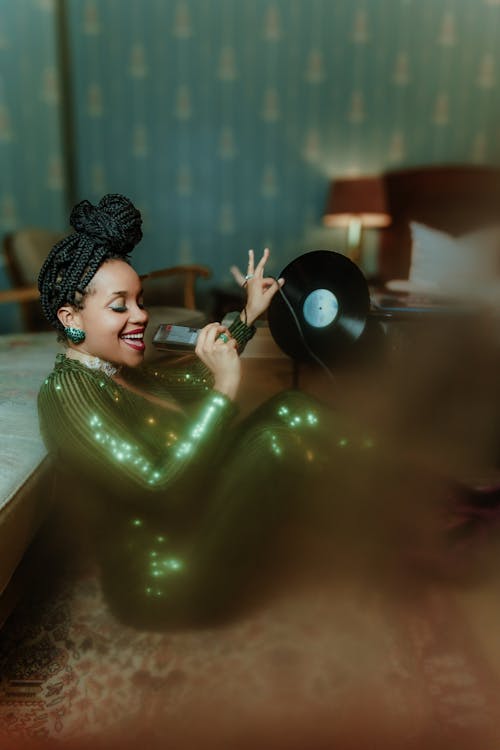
{"points": [[94, 363]]}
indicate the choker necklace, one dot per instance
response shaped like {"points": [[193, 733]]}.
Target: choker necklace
{"points": [[94, 363]]}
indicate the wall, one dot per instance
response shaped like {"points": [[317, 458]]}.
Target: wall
{"points": [[32, 185], [225, 119]]}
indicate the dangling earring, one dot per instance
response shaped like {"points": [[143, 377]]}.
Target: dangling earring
{"points": [[76, 335]]}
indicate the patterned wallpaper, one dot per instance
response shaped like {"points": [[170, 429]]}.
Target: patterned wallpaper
{"points": [[225, 119], [31, 168]]}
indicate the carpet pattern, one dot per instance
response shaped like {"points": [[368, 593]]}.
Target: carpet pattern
{"points": [[409, 664]]}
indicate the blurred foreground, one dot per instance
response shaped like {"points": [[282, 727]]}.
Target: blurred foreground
{"points": [[377, 630]]}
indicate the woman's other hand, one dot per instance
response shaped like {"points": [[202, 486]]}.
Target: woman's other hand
{"points": [[260, 289], [218, 351]]}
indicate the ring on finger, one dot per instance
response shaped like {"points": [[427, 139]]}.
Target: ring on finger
{"points": [[249, 276], [224, 338]]}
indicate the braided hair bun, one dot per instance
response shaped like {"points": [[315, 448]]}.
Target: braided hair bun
{"points": [[114, 222], [109, 230]]}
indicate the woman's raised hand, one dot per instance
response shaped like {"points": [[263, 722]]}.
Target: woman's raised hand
{"points": [[218, 351], [260, 289]]}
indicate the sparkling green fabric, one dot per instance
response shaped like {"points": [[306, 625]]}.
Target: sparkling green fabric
{"points": [[179, 500]]}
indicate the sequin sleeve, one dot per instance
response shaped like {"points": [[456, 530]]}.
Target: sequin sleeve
{"points": [[98, 430]]}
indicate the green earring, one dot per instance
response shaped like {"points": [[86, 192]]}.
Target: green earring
{"points": [[76, 335]]}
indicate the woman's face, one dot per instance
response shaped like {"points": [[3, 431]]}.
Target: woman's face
{"points": [[113, 317]]}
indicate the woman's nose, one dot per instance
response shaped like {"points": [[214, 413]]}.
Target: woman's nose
{"points": [[140, 315]]}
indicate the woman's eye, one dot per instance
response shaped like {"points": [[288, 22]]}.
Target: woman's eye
{"points": [[119, 308]]}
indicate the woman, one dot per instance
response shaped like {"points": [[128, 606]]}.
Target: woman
{"points": [[180, 498]]}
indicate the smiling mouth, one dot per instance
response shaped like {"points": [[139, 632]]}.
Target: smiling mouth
{"points": [[134, 339]]}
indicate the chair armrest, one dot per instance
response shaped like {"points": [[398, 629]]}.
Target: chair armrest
{"points": [[190, 273], [20, 294]]}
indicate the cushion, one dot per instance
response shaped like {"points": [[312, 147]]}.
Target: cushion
{"points": [[468, 265]]}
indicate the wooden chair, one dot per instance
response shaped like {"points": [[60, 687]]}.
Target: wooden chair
{"points": [[169, 297], [24, 252], [26, 249], [159, 291]]}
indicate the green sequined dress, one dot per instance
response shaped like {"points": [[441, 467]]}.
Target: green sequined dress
{"points": [[179, 499]]}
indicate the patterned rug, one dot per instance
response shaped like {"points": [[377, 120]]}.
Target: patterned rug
{"points": [[338, 659]]}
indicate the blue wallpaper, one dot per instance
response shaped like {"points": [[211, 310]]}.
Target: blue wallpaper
{"points": [[225, 119], [32, 190]]}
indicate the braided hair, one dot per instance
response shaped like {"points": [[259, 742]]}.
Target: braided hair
{"points": [[103, 232]]}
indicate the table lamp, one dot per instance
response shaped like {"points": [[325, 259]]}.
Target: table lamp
{"points": [[356, 203]]}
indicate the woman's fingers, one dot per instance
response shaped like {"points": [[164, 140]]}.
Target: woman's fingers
{"points": [[262, 262], [252, 269], [217, 349], [228, 342], [251, 261], [237, 275], [268, 281], [211, 335], [207, 335], [224, 337], [214, 335]]}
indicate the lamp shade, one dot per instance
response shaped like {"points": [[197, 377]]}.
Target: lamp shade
{"points": [[361, 198]]}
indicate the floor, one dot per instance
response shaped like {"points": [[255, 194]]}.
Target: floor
{"points": [[364, 649], [346, 658]]}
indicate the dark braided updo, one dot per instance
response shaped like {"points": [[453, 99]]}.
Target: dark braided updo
{"points": [[109, 230]]}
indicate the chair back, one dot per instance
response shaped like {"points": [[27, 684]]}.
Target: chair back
{"points": [[174, 286], [24, 251]]}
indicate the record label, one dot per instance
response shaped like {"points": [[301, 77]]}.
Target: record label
{"points": [[320, 308]]}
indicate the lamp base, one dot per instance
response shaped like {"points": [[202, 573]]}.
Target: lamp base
{"points": [[354, 237]]}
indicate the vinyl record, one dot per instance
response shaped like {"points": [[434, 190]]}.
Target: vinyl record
{"points": [[328, 304]]}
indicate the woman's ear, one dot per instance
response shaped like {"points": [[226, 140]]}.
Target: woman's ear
{"points": [[68, 316]]}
